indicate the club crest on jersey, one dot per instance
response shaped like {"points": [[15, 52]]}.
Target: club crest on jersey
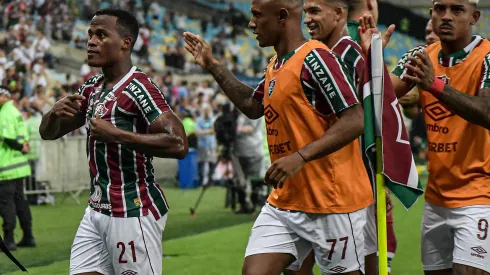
{"points": [[100, 110], [272, 84], [137, 202], [444, 78], [97, 195]]}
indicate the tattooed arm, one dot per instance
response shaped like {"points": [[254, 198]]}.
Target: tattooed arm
{"points": [[239, 93], [475, 109]]}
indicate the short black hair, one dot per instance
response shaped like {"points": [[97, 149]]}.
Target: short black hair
{"points": [[127, 22]]}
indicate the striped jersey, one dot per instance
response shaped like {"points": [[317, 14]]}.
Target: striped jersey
{"points": [[350, 53], [122, 179], [450, 60], [328, 95]]}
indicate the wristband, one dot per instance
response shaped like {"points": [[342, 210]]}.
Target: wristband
{"points": [[437, 87]]}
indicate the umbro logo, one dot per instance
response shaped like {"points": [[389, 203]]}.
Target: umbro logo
{"points": [[338, 269], [270, 114], [129, 272], [437, 111], [479, 250]]}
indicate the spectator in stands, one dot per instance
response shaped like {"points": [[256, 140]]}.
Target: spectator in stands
{"points": [[41, 101], [206, 139], [13, 12], [206, 90], [180, 58], [42, 47], [234, 49], [182, 90], [24, 52], [204, 26], [169, 57]]}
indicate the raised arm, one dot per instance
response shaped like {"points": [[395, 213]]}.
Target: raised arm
{"points": [[366, 30], [240, 94]]}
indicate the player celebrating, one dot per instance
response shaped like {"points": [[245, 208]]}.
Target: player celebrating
{"points": [[314, 119], [128, 123], [327, 22], [453, 77]]}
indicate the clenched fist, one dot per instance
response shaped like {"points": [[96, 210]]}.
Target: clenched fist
{"points": [[69, 106]]}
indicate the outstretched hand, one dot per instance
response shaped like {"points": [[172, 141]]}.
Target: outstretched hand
{"points": [[368, 28], [200, 49]]}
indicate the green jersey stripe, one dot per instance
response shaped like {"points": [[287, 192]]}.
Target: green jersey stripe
{"points": [[153, 112], [485, 82]]}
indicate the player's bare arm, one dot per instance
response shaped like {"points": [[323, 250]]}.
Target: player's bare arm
{"points": [[240, 94], [166, 140], [475, 109], [348, 128], [63, 118]]}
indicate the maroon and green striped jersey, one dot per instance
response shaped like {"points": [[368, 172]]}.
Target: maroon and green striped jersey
{"points": [[317, 63], [122, 180], [350, 53]]}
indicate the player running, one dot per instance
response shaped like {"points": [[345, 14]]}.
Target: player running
{"points": [[453, 77], [128, 122], [311, 106]]}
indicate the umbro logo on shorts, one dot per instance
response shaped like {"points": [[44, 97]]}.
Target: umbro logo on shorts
{"points": [[338, 269], [129, 272], [479, 250]]}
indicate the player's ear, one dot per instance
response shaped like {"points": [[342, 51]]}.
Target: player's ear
{"points": [[339, 13], [475, 16], [127, 42], [283, 15]]}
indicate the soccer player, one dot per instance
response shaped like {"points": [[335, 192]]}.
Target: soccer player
{"points": [[453, 77], [313, 119], [128, 122], [327, 21]]}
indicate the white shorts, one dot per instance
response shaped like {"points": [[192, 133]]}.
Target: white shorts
{"points": [[111, 245], [459, 235], [337, 239]]}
